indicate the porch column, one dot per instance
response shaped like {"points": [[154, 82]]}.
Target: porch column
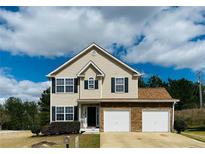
{"points": [[79, 112]]}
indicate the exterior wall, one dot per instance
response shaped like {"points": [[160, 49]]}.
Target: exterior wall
{"points": [[90, 93], [111, 69], [64, 99], [136, 112]]}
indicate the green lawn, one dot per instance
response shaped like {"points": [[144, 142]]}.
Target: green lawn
{"points": [[26, 140], [198, 135]]}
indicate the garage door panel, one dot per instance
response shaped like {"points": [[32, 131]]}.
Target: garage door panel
{"points": [[155, 121], [116, 121]]}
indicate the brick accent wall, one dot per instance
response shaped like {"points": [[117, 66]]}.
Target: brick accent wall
{"points": [[136, 112]]}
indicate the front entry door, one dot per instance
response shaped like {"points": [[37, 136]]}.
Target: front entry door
{"points": [[91, 116]]}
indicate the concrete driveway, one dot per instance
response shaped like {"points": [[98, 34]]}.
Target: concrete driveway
{"points": [[147, 140]]}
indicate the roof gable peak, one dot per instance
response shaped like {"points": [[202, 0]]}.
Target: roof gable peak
{"points": [[135, 73], [90, 63]]}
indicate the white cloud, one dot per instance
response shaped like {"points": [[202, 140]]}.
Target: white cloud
{"points": [[167, 40], [26, 90], [57, 31]]}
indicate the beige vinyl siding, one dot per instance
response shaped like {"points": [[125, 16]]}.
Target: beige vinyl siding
{"points": [[64, 99], [90, 93], [111, 69]]}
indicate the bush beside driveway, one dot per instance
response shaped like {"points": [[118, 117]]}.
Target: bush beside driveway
{"points": [[147, 140]]}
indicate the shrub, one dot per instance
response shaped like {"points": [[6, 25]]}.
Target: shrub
{"points": [[61, 128], [35, 129], [180, 125]]}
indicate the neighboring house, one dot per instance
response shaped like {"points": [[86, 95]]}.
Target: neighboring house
{"points": [[102, 92]]}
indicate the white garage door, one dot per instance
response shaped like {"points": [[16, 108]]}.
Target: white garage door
{"points": [[155, 121], [116, 120]]}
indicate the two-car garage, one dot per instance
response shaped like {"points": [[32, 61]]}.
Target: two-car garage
{"points": [[151, 120]]}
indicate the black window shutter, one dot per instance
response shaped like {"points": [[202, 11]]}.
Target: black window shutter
{"points": [[96, 84], [86, 84], [76, 85], [75, 113], [126, 85], [53, 113], [112, 85], [53, 85]]}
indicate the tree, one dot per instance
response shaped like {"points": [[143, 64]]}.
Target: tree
{"points": [[154, 82], [3, 116], [184, 90], [44, 107], [15, 109], [31, 113], [141, 82]]}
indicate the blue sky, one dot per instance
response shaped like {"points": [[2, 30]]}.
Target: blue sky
{"points": [[164, 41], [36, 68]]}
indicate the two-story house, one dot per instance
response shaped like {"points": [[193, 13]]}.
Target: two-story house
{"points": [[102, 92]]}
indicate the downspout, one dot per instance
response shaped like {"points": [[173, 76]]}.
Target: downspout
{"points": [[51, 92], [173, 116], [79, 104]]}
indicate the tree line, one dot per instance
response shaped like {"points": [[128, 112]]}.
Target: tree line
{"points": [[185, 90], [16, 114]]}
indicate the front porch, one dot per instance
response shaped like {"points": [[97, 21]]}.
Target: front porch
{"points": [[89, 117]]}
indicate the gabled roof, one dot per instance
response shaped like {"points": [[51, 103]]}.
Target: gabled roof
{"points": [[135, 73], [153, 93], [90, 63]]}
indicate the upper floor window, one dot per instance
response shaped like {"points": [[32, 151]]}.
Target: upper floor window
{"points": [[119, 84], [91, 83], [64, 85], [69, 83], [60, 85]]}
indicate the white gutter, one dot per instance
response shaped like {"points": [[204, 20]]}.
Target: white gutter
{"points": [[126, 100]]}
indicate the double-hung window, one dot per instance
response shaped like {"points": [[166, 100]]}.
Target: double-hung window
{"points": [[69, 85], [119, 85], [69, 113], [60, 113], [65, 113], [60, 85], [91, 83], [65, 85]]}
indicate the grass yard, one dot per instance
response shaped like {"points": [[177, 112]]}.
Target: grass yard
{"points": [[198, 135], [26, 140]]}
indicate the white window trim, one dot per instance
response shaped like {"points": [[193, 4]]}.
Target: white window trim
{"points": [[91, 84], [120, 84], [64, 78], [59, 85], [70, 85], [64, 114]]}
